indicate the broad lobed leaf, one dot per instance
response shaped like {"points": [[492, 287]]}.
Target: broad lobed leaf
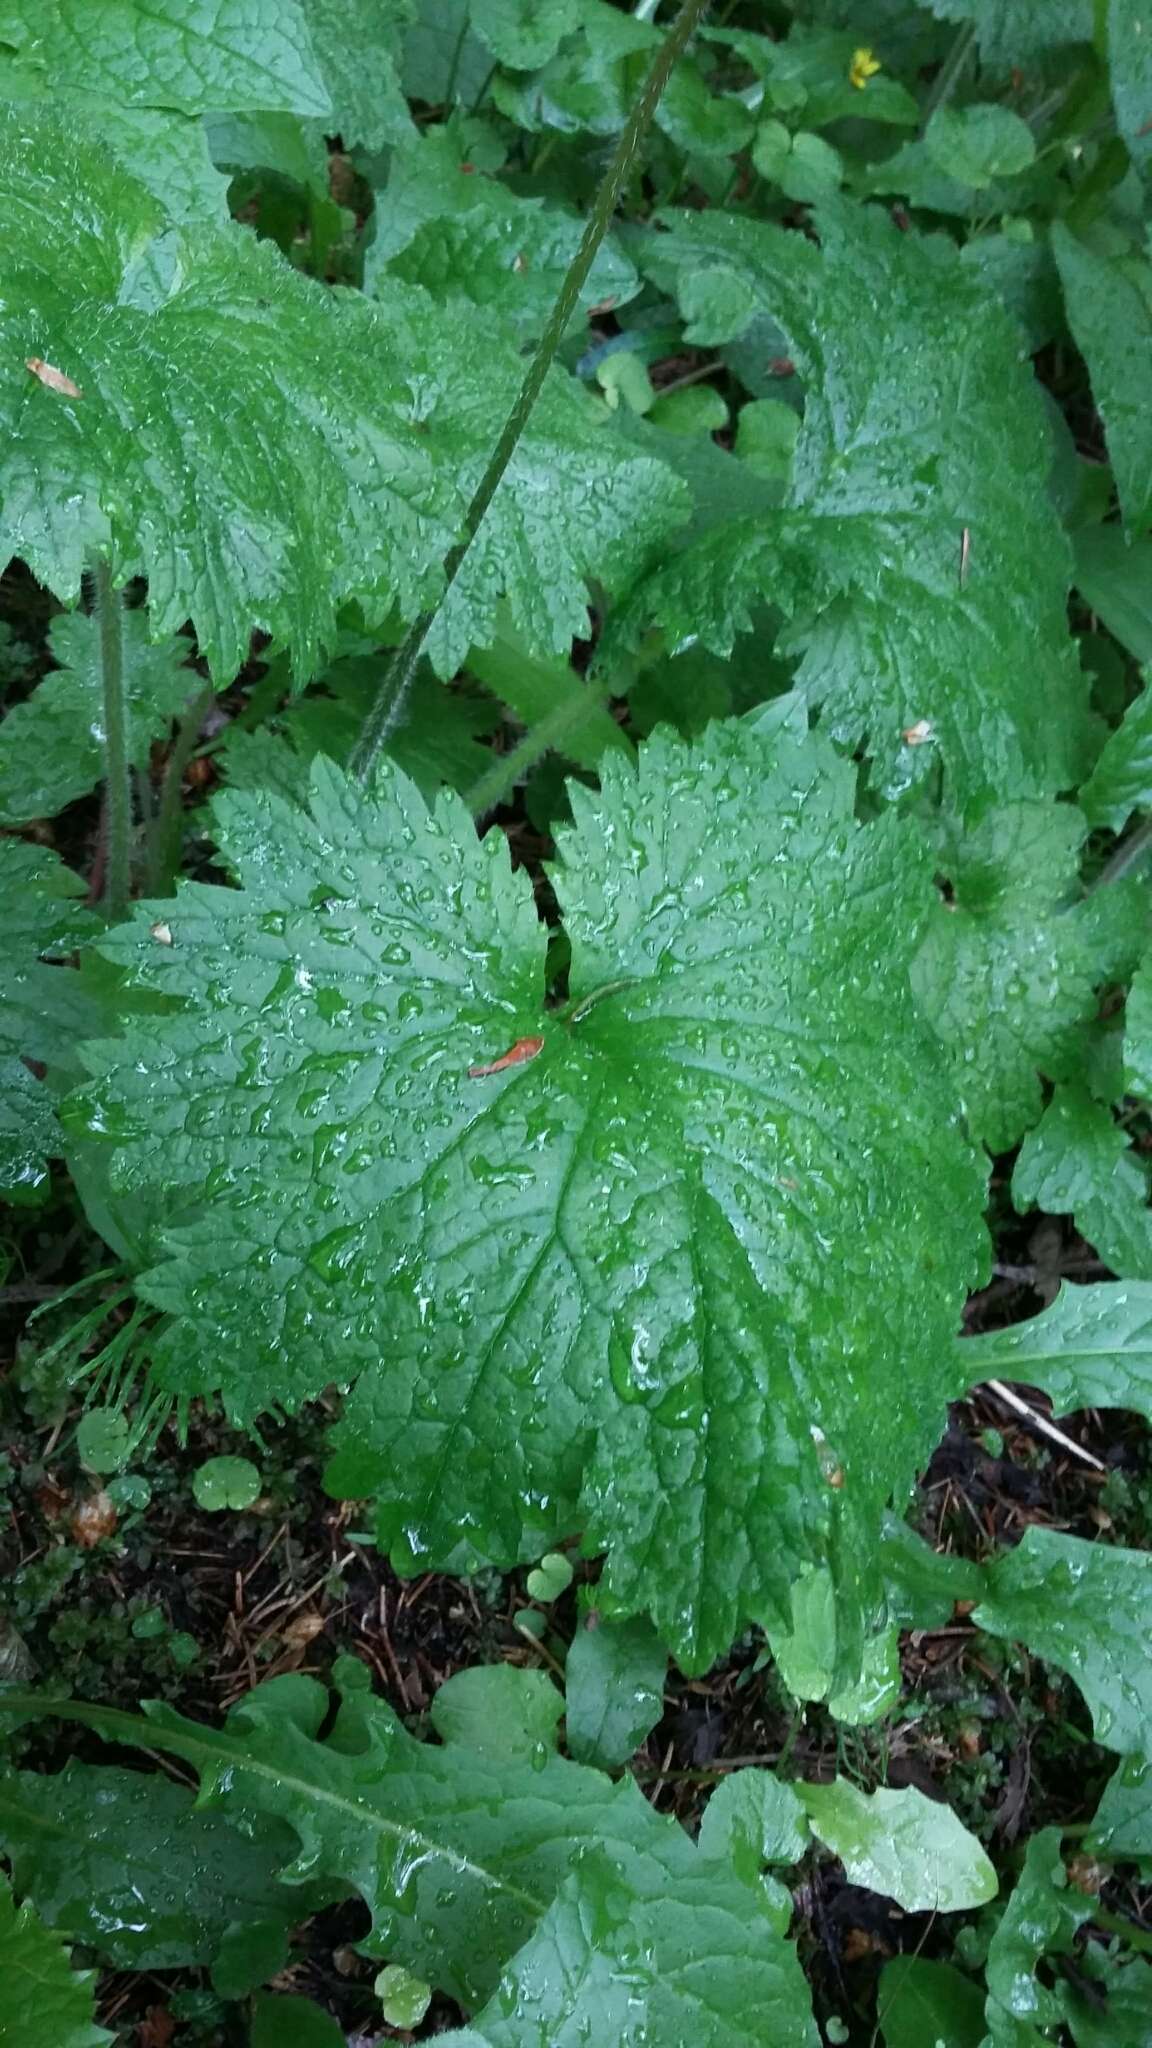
{"points": [[303, 449], [44, 2003], [918, 557], [634, 1283]]}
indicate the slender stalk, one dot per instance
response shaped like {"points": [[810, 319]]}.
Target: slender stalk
{"points": [[388, 710], [1129, 856], [164, 838], [108, 613], [498, 781], [950, 73]]}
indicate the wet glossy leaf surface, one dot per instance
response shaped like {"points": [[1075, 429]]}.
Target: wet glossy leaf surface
{"points": [[924, 573], [44, 2003], [913, 1849], [588, 1287]]}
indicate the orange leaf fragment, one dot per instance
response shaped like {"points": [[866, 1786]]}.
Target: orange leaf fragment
{"points": [[52, 378], [524, 1049]]}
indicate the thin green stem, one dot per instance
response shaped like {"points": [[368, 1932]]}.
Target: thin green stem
{"points": [[950, 73], [108, 613], [499, 780], [164, 846], [388, 710], [1129, 856]]}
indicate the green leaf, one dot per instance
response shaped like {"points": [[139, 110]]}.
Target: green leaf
{"points": [[917, 554], [1085, 1607], [1129, 37], [51, 748], [283, 143], [104, 1440], [461, 1858], [614, 1689], [127, 1864], [463, 235], [1138, 1032], [912, 1849], [754, 1818], [404, 1998], [1121, 781], [44, 2003], [304, 449], [928, 2005], [1122, 1828], [1114, 577], [1008, 969], [550, 1578], [523, 33], [1020, 31], [499, 1711], [357, 43], [591, 82], [220, 53], [700, 122], [739, 1083], [1091, 1349], [443, 60], [1110, 314], [167, 152], [293, 2023], [1111, 2006], [43, 1008], [978, 144], [1078, 1162], [226, 1483], [1040, 1918], [618, 1959]]}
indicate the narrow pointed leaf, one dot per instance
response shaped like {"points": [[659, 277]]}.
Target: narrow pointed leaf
{"points": [[1110, 314]]}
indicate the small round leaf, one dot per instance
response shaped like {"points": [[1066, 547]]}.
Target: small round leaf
{"points": [[226, 1483]]}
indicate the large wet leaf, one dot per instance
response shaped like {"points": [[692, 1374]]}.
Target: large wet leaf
{"points": [[462, 1856], [303, 449], [621, 1268], [169, 53], [918, 556], [1040, 1920]]}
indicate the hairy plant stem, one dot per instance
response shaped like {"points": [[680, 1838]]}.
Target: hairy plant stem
{"points": [[164, 838], [1129, 856], [392, 699], [107, 608], [498, 781], [949, 75]]}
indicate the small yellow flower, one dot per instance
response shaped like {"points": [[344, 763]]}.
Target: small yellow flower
{"points": [[863, 67]]}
